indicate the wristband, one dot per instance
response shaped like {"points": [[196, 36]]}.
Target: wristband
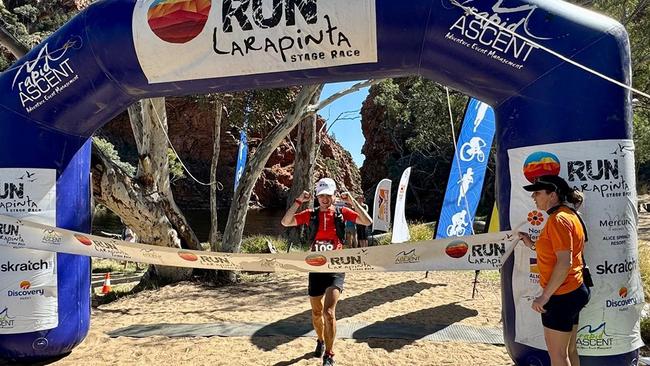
{"points": [[299, 202]]}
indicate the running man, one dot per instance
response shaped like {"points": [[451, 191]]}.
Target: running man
{"points": [[325, 288]]}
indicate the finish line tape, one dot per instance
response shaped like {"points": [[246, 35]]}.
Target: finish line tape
{"points": [[477, 252]]}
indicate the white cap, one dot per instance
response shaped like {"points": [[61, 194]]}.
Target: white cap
{"points": [[325, 186]]}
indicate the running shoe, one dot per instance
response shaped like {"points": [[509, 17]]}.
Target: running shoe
{"points": [[328, 360], [320, 349]]}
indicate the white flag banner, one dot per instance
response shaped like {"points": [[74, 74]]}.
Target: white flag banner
{"points": [[400, 227], [478, 252], [604, 172], [381, 206], [28, 279]]}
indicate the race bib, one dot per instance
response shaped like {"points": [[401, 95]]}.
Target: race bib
{"points": [[322, 246]]}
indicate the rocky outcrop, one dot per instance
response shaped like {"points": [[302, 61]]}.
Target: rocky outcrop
{"points": [[190, 131]]}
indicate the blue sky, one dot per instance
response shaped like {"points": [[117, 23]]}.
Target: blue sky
{"points": [[347, 132]]}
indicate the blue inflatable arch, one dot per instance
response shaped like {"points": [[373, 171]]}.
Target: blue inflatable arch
{"points": [[119, 51]]}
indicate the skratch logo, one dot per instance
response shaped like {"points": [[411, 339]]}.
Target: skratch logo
{"points": [[535, 218], [541, 163], [178, 21]]}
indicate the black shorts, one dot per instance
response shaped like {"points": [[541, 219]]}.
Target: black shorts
{"points": [[362, 234], [320, 282], [562, 311]]}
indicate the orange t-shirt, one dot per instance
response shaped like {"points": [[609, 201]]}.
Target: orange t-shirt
{"points": [[563, 231]]}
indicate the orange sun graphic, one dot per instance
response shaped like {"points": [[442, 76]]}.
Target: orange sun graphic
{"points": [[535, 218]]}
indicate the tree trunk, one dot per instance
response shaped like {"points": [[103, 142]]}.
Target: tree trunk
{"points": [[216, 147], [303, 172], [232, 235], [125, 196], [149, 123]]}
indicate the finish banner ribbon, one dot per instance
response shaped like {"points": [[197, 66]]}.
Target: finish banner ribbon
{"points": [[478, 252]]}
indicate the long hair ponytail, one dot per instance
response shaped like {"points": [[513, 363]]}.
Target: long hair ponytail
{"points": [[575, 197]]}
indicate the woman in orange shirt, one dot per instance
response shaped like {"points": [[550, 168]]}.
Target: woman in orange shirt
{"points": [[560, 261]]}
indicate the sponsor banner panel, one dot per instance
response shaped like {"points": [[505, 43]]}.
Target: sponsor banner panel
{"points": [[229, 38], [28, 281], [604, 171], [400, 227], [381, 206], [478, 252]]}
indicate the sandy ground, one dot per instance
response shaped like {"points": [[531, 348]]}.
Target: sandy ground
{"points": [[407, 298]]}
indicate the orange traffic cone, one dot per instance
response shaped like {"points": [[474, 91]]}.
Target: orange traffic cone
{"points": [[106, 288]]}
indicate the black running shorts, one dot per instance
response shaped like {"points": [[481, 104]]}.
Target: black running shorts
{"points": [[362, 234], [319, 282], [562, 311]]}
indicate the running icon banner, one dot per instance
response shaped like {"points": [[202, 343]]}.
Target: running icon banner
{"points": [[485, 251], [467, 171], [400, 227], [381, 206]]}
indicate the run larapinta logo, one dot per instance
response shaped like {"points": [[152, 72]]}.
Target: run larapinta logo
{"points": [[541, 163], [456, 249], [83, 240], [178, 21], [25, 285]]}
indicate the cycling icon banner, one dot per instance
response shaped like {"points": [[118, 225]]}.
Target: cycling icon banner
{"points": [[467, 171]]}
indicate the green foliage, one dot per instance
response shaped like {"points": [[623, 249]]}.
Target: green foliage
{"points": [[333, 167], [644, 268], [259, 244], [109, 150], [418, 232], [176, 169], [31, 23]]}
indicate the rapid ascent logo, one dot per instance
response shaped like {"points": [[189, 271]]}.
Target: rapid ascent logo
{"points": [[50, 72], [480, 34], [51, 237], [594, 338], [541, 163], [6, 321], [405, 257], [178, 21]]}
